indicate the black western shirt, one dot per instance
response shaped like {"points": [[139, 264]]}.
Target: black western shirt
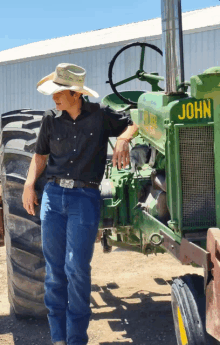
{"points": [[78, 148]]}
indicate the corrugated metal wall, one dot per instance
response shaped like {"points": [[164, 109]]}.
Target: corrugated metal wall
{"points": [[18, 80]]}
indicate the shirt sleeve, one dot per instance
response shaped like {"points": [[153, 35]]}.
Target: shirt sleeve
{"points": [[116, 122], [42, 146]]}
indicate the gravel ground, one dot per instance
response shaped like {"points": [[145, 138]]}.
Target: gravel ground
{"points": [[130, 302]]}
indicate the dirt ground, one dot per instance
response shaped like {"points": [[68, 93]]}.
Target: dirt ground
{"points": [[130, 302]]}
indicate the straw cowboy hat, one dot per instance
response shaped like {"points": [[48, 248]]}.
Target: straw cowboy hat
{"points": [[66, 77]]}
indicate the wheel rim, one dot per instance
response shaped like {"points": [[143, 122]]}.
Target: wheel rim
{"points": [[182, 330]]}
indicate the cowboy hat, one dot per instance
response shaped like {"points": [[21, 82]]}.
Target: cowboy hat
{"points": [[66, 77]]}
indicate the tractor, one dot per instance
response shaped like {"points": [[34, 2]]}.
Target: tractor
{"points": [[166, 200]]}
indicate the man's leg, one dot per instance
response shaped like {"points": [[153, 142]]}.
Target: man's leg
{"points": [[82, 226], [53, 225]]}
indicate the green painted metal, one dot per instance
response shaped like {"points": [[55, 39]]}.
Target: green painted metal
{"points": [[107, 212], [125, 80], [160, 118], [153, 79], [207, 86], [192, 111], [127, 187], [117, 104], [160, 163], [153, 110], [178, 186], [157, 111], [159, 115]]}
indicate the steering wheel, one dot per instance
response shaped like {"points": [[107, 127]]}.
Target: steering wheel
{"points": [[152, 78]]}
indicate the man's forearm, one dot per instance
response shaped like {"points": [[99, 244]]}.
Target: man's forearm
{"points": [[37, 166], [129, 132]]}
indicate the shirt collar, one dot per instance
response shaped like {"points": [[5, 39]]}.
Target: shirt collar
{"points": [[58, 113]]}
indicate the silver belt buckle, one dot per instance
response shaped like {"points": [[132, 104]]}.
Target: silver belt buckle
{"points": [[66, 183]]}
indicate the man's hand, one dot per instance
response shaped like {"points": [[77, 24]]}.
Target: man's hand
{"points": [[29, 199], [121, 154]]}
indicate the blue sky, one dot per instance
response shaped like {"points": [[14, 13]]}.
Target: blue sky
{"points": [[23, 22]]}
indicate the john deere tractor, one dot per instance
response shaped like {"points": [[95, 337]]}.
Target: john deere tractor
{"points": [[167, 200]]}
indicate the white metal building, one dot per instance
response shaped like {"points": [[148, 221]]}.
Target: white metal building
{"points": [[22, 67]]}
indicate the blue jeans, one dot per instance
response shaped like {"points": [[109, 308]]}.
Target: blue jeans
{"points": [[69, 222]]}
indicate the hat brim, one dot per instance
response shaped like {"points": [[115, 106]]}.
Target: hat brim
{"points": [[49, 88]]}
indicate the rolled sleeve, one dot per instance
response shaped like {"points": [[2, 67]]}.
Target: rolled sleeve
{"points": [[42, 146], [116, 122]]}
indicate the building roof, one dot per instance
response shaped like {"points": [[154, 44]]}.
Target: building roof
{"points": [[194, 20]]}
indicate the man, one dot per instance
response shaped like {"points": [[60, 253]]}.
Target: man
{"points": [[73, 139]]}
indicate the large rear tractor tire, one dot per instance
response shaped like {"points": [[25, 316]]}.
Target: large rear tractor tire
{"points": [[25, 262], [189, 310]]}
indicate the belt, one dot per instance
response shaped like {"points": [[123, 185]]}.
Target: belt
{"points": [[73, 183]]}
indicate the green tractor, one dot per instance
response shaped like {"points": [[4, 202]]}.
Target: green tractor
{"points": [[167, 200]]}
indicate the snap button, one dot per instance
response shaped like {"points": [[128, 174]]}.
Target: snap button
{"points": [[74, 150], [91, 133], [68, 174], [74, 136], [71, 162]]}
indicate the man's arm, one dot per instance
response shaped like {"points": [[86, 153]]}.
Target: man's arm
{"points": [[29, 197], [121, 150]]}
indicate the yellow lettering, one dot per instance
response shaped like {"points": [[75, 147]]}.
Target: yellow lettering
{"points": [[198, 109], [153, 120], [207, 109], [190, 114], [146, 118], [183, 113]]}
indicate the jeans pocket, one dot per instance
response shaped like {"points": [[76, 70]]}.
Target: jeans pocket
{"points": [[89, 208], [91, 192], [47, 186]]}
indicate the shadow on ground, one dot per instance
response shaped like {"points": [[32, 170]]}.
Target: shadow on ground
{"points": [[141, 318], [25, 331]]}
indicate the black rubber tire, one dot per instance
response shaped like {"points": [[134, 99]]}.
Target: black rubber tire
{"points": [[25, 261], [189, 301], [105, 246]]}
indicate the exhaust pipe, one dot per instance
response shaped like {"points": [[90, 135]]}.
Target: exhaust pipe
{"points": [[172, 36]]}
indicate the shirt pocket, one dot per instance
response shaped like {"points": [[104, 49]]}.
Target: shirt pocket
{"points": [[86, 138], [60, 144]]}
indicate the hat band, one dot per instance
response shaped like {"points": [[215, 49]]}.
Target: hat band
{"points": [[69, 83]]}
